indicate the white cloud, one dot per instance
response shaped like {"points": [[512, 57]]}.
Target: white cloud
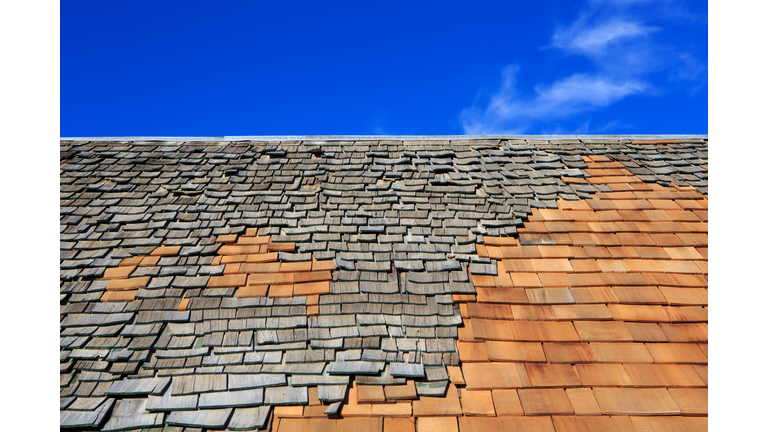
{"points": [[581, 38], [510, 113]]}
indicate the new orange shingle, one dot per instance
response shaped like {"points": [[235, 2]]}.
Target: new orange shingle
{"points": [[569, 353], [150, 261], [663, 375], [477, 403], [501, 295], [235, 280], [582, 312], [301, 266], [406, 391], [398, 425], [485, 376], [278, 291], [532, 313], [228, 259], [472, 351], [239, 249], [646, 332], [691, 401], [603, 375], [256, 257], [545, 402], [687, 313], [267, 278], [629, 401], [549, 295], [686, 332], [507, 402], [128, 284], [311, 288], [247, 240], [266, 267], [120, 272], [525, 251], [621, 352], [543, 331], [583, 401], [580, 423], [480, 310], [514, 351], [252, 291], [597, 294], [551, 265], [232, 268], [492, 329], [518, 265], [505, 424], [167, 251], [131, 261], [370, 394], [602, 331], [439, 406], [669, 424], [553, 280], [639, 295], [552, 375], [525, 280], [676, 353], [638, 313], [281, 247], [119, 296], [437, 424]]}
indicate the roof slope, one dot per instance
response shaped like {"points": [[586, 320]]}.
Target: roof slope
{"points": [[391, 285]]}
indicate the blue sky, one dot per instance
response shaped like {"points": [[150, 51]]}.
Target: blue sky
{"points": [[252, 68]]}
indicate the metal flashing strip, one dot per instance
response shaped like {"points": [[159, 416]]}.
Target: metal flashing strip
{"points": [[351, 138]]}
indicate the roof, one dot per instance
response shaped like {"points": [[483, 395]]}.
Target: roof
{"points": [[420, 283]]}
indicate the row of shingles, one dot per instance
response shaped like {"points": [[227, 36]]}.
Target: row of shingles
{"points": [[478, 424], [535, 349], [188, 270]]}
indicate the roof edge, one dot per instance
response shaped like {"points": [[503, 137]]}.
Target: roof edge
{"points": [[386, 138]]}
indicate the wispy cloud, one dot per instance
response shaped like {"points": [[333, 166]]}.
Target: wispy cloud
{"points": [[619, 39], [581, 38], [509, 112]]}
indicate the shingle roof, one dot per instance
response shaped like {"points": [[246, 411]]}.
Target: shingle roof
{"points": [[483, 284]]}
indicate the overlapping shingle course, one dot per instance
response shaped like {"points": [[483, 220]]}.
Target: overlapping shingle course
{"points": [[569, 265]]}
